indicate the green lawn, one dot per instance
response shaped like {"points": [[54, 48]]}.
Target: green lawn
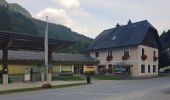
{"points": [[106, 77], [163, 75], [68, 78]]}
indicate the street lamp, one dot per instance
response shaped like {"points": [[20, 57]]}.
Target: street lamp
{"points": [[46, 48]]}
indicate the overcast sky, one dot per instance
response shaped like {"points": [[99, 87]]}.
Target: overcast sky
{"points": [[90, 17]]}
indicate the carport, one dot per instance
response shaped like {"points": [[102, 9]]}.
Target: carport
{"points": [[17, 41]]}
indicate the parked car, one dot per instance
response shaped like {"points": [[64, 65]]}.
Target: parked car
{"points": [[165, 70]]}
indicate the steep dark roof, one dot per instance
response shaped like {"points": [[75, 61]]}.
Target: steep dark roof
{"points": [[121, 36], [21, 41], [56, 57]]}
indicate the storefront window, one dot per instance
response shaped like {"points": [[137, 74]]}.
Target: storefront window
{"points": [[122, 69]]}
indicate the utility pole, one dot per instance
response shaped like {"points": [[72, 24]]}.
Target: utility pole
{"points": [[46, 48]]}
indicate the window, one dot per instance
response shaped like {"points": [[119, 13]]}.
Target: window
{"points": [[122, 69], [109, 52], [154, 68], [66, 68], [154, 53], [143, 51], [149, 68], [142, 68], [97, 54], [126, 51], [101, 69]]}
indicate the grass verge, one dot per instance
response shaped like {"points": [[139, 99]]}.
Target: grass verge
{"points": [[163, 75], [106, 77], [68, 78], [39, 88]]}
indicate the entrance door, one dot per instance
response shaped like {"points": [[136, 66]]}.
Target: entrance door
{"points": [[110, 70], [0, 76], [78, 69], [101, 69]]}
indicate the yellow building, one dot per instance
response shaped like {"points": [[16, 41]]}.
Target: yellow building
{"points": [[29, 65]]}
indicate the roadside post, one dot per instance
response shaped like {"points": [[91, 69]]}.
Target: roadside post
{"points": [[88, 75]]}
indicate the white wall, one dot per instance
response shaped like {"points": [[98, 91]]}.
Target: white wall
{"points": [[135, 58]]}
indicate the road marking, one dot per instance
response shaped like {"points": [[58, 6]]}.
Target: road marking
{"points": [[97, 94], [72, 93]]}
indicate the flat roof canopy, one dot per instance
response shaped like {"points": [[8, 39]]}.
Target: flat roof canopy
{"points": [[15, 41]]}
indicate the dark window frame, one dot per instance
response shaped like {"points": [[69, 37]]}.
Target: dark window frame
{"points": [[154, 53], [109, 52], [149, 68], [143, 51], [97, 54], [154, 68], [126, 51], [142, 68]]}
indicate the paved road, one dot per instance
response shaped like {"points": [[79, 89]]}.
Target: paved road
{"points": [[149, 89]]}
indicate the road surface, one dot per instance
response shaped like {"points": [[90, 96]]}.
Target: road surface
{"points": [[147, 89]]}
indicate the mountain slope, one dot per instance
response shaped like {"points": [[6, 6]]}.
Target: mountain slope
{"points": [[17, 8], [3, 2], [61, 32], [17, 22]]}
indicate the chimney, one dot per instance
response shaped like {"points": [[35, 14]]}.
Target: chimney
{"points": [[117, 25], [129, 22]]}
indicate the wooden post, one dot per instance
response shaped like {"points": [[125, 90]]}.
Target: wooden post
{"points": [[5, 47], [5, 64]]}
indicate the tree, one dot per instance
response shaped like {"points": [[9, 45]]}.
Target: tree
{"points": [[164, 58]]}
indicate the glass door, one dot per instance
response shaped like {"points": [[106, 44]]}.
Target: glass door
{"points": [[78, 69]]}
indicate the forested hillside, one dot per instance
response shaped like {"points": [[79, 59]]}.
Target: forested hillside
{"points": [[16, 22], [165, 39]]}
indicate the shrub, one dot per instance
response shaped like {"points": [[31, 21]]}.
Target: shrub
{"points": [[109, 70], [66, 73], [109, 58], [144, 57], [67, 78], [89, 73], [155, 58], [46, 86], [125, 57]]}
